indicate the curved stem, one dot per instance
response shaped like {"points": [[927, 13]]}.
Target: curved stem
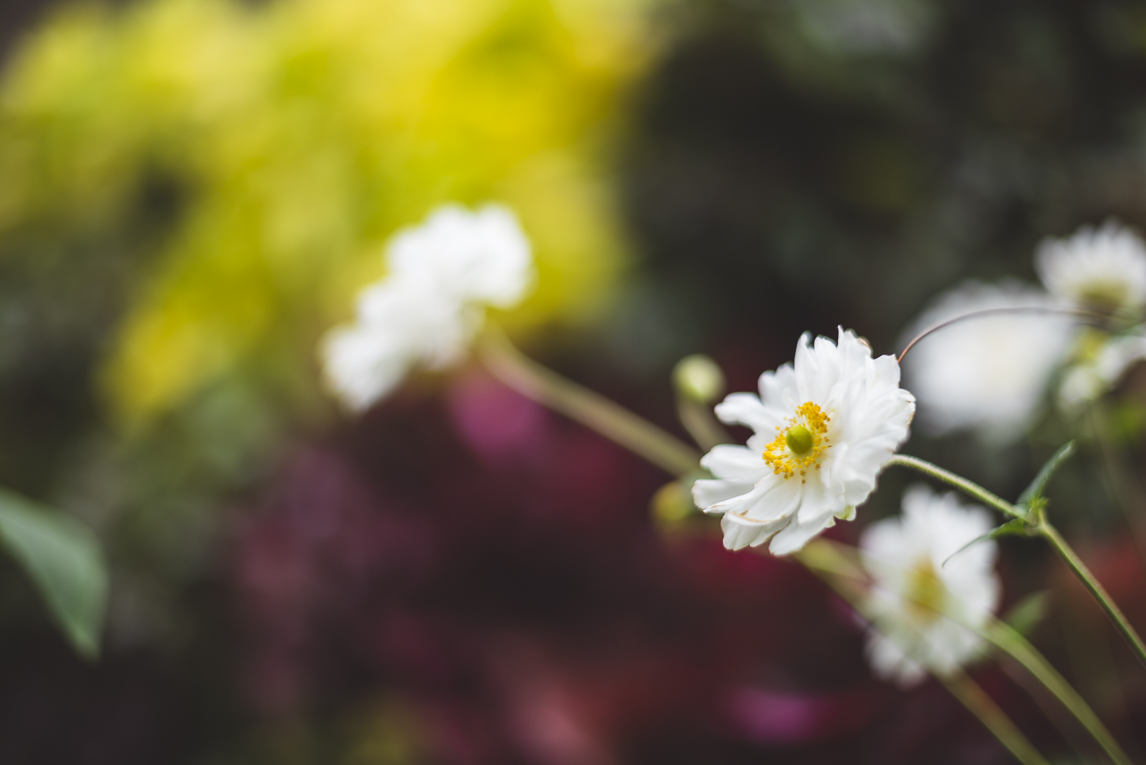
{"points": [[959, 482], [1041, 527], [1075, 564], [981, 705], [1008, 640], [591, 409], [844, 575], [1078, 313]]}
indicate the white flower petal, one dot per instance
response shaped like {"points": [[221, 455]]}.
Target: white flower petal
{"points": [[362, 366], [1097, 371], [780, 500], [735, 463], [795, 535], [707, 493], [989, 373], [773, 385], [1103, 268], [859, 415], [748, 410], [743, 532], [889, 662], [443, 274], [897, 552], [478, 256]]}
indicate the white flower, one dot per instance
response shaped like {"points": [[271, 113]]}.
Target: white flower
{"points": [[426, 311], [1101, 363], [1102, 268], [986, 373], [916, 581], [481, 256], [400, 324], [824, 428]]}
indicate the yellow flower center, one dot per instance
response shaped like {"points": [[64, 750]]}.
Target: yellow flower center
{"points": [[1103, 295], [799, 447], [925, 593]]}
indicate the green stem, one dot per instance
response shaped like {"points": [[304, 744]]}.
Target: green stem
{"points": [[845, 576], [1075, 564], [981, 705], [700, 424], [1042, 527], [842, 575], [959, 482], [1008, 640], [591, 409]]}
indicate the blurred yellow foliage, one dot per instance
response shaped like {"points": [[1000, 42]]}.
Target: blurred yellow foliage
{"points": [[297, 136]]}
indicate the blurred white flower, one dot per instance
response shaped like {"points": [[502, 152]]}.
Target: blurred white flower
{"points": [[476, 257], [1103, 268], [988, 373], [823, 429], [912, 589], [426, 311], [1101, 362]]}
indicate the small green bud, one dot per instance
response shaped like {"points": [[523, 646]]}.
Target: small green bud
{"points": [[698, 379], [672, 504], [799, 439]]}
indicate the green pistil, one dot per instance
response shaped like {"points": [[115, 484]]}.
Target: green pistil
{"points": [[799, 440]]}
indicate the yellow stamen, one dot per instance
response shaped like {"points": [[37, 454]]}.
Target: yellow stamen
{"points": [[800, 446]]}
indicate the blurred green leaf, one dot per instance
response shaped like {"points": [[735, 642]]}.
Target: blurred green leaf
{"points": [[66, 563], [1025, 615], [1034, 492]]}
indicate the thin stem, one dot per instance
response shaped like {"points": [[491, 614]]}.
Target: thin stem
{"points": [[1008, 640], [1077, 313], [1042, 527], [591, 409], [1075, 564], [843, 575], [1059, 717], [700, 423], [959, 482], [847, 577], [981, 705]]}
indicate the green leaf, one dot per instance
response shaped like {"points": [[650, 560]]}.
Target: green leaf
{"points": [[65, 561], [1025, 615], [1016, 527], [1034, 492]]}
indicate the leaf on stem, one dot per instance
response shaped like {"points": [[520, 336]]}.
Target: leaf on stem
{"points": [[1034, 492], [1013, 527], [64, 559]]}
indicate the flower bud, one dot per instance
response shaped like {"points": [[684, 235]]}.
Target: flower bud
{"points": [[698, 379], [672, 505]]}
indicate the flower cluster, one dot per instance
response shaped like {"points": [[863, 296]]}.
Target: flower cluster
{"points": [[928, 593], [442, 276], [990, 375], [824, 427]]}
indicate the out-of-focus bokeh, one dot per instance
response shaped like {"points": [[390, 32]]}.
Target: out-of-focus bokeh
{"points": [[191, 193]]}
